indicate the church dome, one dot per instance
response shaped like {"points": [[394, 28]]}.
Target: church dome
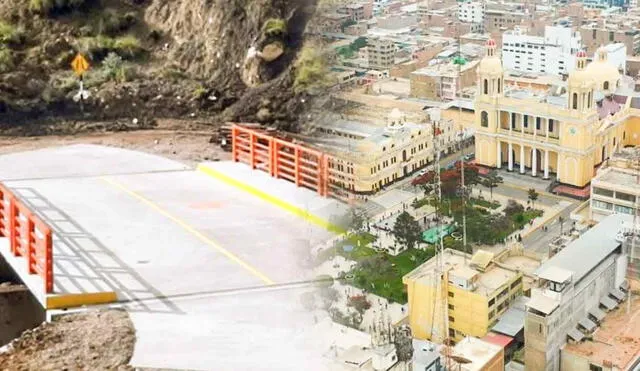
{"points": [[396, 115], [605, 75]]}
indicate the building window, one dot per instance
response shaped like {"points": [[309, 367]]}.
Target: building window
{"points": [[450, 294], [525, 120], [624, 210], [452, 332], [513, 120], [574, 105], [486, 86], [492, 301], [602, 205], [589, 101], [605, 86], [625, 197], [593, 367], [611, 35], [499, 86], [451, 307], [538, 123], [516, 283], [451, 319], [484, 118], [603, 192]]}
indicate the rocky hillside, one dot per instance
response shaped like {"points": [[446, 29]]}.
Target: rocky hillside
{"points": [[217, 60]]}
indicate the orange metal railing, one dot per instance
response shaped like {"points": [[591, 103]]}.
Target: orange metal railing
{"points": [[306, 167], [29, 236]]}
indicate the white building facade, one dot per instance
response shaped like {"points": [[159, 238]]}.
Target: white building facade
{"points": [[552, 54], [471, 12], [616, 56]]}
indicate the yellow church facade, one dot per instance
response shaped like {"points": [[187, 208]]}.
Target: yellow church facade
{"points": [[566, 135]]}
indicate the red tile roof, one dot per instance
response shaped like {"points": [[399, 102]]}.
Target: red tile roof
{"points": [[498, 339]]}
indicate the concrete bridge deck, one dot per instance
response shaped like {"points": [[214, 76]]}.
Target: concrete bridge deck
{"points": [[210, 273]]}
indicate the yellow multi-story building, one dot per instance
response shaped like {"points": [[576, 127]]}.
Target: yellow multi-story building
{"points": [[369, 156], [471, 292], [567, 132]]}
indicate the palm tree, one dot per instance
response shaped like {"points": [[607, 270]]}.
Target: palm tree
{"points": [[533, 196]]}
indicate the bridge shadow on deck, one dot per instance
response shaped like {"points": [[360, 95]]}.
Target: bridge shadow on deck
{"points": [[83, 264]]}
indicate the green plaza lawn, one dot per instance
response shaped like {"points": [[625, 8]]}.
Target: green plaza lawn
{"points": [[381, 273], [378, 272]]}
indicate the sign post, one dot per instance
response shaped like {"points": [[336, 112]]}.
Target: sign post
{"points": [[80, 66]]}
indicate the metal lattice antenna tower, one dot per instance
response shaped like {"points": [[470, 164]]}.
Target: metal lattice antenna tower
{"points": [[439, 274]]}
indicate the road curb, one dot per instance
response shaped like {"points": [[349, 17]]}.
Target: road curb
{"points": [[293, 209], [542, 223]]}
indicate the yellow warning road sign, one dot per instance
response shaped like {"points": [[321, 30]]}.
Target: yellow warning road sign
{"points": [[80, 64]]}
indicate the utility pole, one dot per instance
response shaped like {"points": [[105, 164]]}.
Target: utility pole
{"points": [[634, 228], [460, 61]]}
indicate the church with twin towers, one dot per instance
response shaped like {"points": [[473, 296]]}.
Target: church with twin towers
{"points": [[564, 133]]}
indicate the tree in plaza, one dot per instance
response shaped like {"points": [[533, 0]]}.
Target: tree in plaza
{"points": [[407, 230], [561, 221], [513, 208], [358, 219], [450, 180], [471, 174], [427, 188], [533, 196], [491, 181]]}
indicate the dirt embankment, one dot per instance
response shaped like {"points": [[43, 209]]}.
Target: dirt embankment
{"points": [[19, 311], [97, 340], [215, 59]]}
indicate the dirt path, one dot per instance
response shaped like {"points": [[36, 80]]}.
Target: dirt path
{"points": [[96, 340], [187, 143]]}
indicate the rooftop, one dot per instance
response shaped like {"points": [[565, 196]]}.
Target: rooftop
{"points": [[617, 340], [585, 253], [617, 177], [459, 264], [512, 321], [498, 339], [444, 69], [425, 352], [477, 351]]}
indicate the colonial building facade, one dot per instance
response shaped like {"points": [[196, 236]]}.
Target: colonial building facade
{"points": [[566, 133]]}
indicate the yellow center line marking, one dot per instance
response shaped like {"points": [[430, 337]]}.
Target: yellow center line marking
{"points": [[231, 256]]}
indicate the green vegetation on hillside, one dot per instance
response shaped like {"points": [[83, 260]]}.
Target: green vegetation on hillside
{"points": [[48, 6], [275, 26], [311, 69]]}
